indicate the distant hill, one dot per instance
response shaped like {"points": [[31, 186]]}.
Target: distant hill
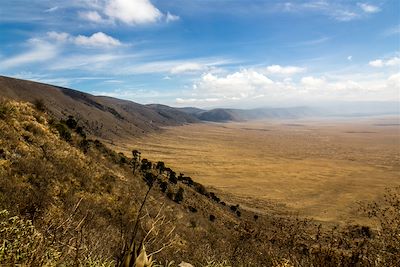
{"points": [[104, 117], [223, 115]]}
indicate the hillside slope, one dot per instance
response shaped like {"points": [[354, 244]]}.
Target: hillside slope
{"points": [[66, 200], [83, 198], [103, 117]]}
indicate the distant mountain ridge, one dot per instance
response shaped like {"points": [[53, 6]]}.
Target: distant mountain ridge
{"points": [[111, 118], [222, 115], [104, 117]]}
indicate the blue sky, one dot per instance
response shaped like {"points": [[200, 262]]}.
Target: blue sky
{"points": [[207, 53]]}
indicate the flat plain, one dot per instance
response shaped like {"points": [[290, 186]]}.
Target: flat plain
{"points": [[311, 167]]}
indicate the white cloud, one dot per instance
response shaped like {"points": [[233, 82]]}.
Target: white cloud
{"points": [[92, 16], [379, 63], [368, 8], [376, 63], [187, 67], [350, 58], [59, 36], [287, 70], [394, 80], [250, 87], [98, 39], [52, 9], [338, 10], [132, 11], [312, 82], [170, 17], [242, 84], [40, 51], [393, 61]]}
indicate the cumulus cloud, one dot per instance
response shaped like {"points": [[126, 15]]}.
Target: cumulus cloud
{"points": [[242, 84], [253, 87], [368, 8], [379, 63], [287, 70], [98, 39], [131, 12]]}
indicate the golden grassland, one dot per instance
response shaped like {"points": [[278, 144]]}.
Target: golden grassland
{"points": [[318, 168]]}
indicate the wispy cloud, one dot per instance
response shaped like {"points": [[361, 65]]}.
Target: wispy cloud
{"points": [[39, 51], [368, 8], [98, 39], [52, 9], [392, 31], [338, 10]]}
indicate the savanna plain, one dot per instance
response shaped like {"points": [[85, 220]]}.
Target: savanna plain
{"points": [[315, 168]]}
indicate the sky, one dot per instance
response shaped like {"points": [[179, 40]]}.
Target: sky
{"points": [[207, 53]]}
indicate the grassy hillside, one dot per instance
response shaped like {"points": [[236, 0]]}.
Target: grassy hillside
{"points": [[68, 200]]}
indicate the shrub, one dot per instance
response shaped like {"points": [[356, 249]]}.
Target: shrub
{"points": [[212, 218], [63, 131], [192, 209], [79, 130], [39, 104], [172, 178], [149, 178], [5, 110], [71, 122], [179, 195], [164, 186], [84, 145], [22, 244], [199, 188]]}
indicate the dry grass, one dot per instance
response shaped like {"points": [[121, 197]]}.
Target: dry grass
{"points": [[317, 168]]}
